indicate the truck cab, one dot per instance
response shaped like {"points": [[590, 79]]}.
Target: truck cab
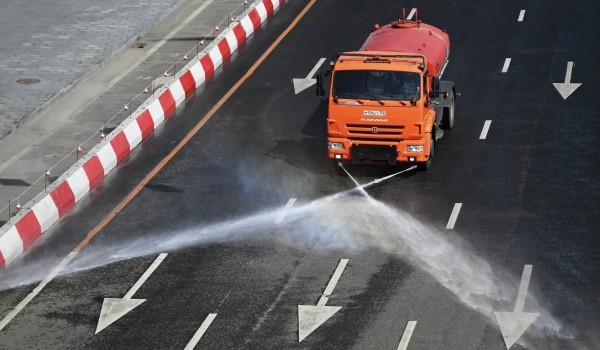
{"points": [[385, 101]]}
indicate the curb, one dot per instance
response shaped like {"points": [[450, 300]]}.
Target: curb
{"points": [[46, 209]]}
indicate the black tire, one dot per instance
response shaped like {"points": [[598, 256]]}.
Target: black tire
{"points": [[424, 166], [448, 113]]}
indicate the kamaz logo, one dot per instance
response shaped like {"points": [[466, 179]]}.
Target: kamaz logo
{"points": [[374, 113]]}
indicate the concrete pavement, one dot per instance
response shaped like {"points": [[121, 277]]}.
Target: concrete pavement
{"points": [[91, 59]]}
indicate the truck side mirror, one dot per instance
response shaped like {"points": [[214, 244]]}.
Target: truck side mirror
{"points": [[435, 88], [320, 89]]}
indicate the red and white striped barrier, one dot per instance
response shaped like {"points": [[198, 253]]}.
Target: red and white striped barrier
{"points": [[48, 208]]}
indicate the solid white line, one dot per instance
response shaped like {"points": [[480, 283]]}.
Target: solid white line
{"points": [[160, 43], [523, 288], [334, 280], [37, 290], [506, 64], [453, 216], [281, 216], [315, 68], [521, 16], [411, 13], [486, 128], [408, 331], [145, 276], [200, 332], [443, 68]]}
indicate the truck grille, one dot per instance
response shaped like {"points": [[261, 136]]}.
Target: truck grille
{"points": [[386, 133]]}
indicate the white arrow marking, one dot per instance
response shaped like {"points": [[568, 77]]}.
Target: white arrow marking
{"points": [[115, 308], [303, 84], [567, 88], [200, 332], [453, 216], [514, 324], [410, 327], [311, 317], [281, 216]]}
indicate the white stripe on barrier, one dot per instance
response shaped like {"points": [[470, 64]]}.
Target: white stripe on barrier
{"points": [[197, 73], [157, 113], [215, 57], [107, 158], [45, 212], [79, 183], [133, 134], [275, 4], [262, 11], [231, 41], [247, 25], [11, 245], [177, 92]]}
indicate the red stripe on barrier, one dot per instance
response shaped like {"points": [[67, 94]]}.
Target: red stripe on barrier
{"points": [[224, 48], [240, 34], [188, 83], [94, 171], [167, 102], [269, 6], [121, 146], [2, 261], [207, 65], [255, 18], [145, 123], [29, 229], [63, 198]]}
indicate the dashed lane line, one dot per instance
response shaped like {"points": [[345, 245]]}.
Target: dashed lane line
{"points": [[408, 331], [200, 332], [453, 216], [283, 213], [506, 65], [521, 16], [486, 128]]}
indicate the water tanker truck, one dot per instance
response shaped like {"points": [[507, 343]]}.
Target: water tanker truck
{"points": [[386, 103]]}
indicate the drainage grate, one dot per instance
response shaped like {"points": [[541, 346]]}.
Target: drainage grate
{"points": [[28, 81]]}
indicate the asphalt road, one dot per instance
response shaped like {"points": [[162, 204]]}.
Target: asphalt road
{"points": [[528, 192]]}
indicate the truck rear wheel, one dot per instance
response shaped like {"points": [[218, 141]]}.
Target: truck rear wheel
{"points": [[448, 113]]}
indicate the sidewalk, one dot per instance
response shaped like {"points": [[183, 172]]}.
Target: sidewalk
{"points": [[91, 61]]}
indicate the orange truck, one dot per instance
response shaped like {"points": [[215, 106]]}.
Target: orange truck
{"points": [[386, 102]]}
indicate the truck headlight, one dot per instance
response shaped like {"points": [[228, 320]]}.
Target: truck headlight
{"points": [[414, 148], [335, 145]]}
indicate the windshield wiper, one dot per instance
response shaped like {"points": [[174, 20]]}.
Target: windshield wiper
{"points": [[375, 98]]}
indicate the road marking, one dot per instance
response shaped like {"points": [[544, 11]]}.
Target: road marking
{"points": [[486, 128], [506, 64], [303, 84], [521, 16], [117, 209], [310, 317], [334, 280], [514, 324], [411, 13], [283, 213], [454, 216], [567, 88], [36, 290], [410, 327], [115, 308], [200, 332]]}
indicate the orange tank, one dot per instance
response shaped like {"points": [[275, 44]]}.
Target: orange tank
{"points": [[412, 37]]}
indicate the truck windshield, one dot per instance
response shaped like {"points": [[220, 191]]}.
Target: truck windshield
{"points": [[383, 85]]}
